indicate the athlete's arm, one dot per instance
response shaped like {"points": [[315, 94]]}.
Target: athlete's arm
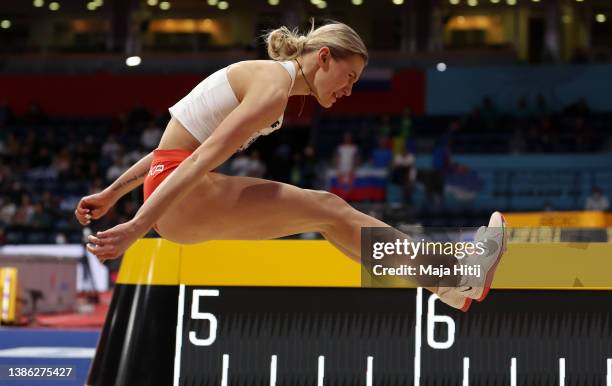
{"points": [[131, 178], [96, 205], [261, 105]]}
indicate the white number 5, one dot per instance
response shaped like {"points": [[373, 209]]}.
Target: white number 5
{"points": [[196, 314]]}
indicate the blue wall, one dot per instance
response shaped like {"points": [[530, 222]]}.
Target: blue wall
{"points": [[458, 90]]}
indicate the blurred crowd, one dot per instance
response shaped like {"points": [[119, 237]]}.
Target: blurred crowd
{"points": [[49, 163], [531, 126]]}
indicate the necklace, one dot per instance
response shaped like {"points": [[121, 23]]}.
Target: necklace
{"points": [[307, 83]]}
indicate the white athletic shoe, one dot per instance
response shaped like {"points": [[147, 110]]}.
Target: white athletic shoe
{"points": [[495, 240], [453, 298]]}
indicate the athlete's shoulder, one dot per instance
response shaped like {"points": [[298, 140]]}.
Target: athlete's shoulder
{"points": [[260, 77]]}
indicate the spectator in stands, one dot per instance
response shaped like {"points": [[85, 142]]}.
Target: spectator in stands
{"points": [[385, 128], [473, 122], [256, 168], [40, 218], [150, 136], [96, 186], [489, 112], [406, 124], [62, 163], [523, 111], [346, 155], [119, 166], [7, 211], [24, 212], [597, 200], [239, 165], [49, 204], [548, 134], [111, 148], [382, 155], [365, 135], [580, 108], [404, 173], [583, 134], [441, 162], [309, 167]]}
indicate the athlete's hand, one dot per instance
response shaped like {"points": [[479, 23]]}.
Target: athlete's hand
{"points": [[94, 206], [112, 243]]}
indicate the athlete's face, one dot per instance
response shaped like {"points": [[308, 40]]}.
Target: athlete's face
{"points": [[335, 78]]}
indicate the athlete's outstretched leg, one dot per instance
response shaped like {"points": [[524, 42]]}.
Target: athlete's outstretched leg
{"points": [[224, 207]]}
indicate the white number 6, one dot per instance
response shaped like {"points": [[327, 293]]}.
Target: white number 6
{"points": [[432, 319]]}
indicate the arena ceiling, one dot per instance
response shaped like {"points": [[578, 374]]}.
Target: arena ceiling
{"points": [[202, 8]]}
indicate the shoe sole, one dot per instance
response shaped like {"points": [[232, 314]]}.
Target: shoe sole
{"points": [[491, 272], [466, 305]]}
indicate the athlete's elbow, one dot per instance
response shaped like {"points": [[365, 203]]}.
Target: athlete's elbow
{"points": [[198, 164]]}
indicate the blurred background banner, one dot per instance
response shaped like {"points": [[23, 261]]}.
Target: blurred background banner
{"points": [[459, 90]]}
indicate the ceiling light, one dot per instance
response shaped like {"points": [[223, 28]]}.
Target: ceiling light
{"points": [[38, 3], [133, 61], [54, 6], [454, 2], [223, 5], [273, 2], [164, 5], [511, 2], [152, 3], [398, 2], [91, 6], [441, 67], [357, 2], [322, 4], [472, 3], [5, 24], [600, 18]]}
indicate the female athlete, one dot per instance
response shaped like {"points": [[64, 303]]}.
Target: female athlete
{"points": [[187, 203]]}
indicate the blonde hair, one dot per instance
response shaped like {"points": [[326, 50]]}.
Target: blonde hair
{"points": [[342, 41]]}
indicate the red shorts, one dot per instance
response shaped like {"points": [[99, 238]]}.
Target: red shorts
{"points": [[164, 162]]}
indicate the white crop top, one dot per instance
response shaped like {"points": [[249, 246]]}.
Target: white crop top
{"points": [[202, 110]]}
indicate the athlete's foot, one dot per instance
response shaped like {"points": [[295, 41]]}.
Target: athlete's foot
{"points": [[453, 298], [494, 238]]}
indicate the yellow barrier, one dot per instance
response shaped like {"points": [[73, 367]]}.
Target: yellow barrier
{"points": [[299, 263], [8, 290], [583, 219]]}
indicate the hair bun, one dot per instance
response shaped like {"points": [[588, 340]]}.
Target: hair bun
{"points": [[284, 44]]}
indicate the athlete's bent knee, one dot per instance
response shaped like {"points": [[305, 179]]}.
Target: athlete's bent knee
{"points": [[336, 208]]}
